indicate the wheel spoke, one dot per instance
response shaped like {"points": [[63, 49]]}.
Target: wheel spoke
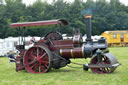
{"points": [[43, 55], [35, 67], [45, 58], [107, 69], [45, 65], [37, 52], [32, 66], [32, 55], [42, 69], [33, 61], [44, 62], [103, 70], [30, 59], [39, 69]]}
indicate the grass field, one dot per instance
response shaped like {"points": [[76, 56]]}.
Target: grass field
{"points": [[67, 75]]}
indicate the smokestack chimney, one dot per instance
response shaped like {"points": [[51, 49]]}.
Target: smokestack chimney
{"points": [[88, 27]]}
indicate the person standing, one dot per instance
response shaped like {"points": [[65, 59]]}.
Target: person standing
{"points": [[11, 56]]}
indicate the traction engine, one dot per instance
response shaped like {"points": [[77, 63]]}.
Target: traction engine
{"points": [[55, 52]]}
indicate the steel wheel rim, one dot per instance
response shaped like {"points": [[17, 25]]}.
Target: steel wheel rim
{"points": [[104, 60], [41, 56]]}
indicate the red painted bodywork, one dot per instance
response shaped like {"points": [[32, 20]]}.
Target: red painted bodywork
{"points": [[61, 44], [57, 44], [65, 47]]}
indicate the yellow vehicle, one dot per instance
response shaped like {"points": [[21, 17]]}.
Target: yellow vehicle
{"points": [[116, 38]]}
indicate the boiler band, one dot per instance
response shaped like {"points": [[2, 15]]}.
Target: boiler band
{"points": [[72, 53]]}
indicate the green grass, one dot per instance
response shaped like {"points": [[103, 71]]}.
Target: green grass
{"points": [[67, 75]]}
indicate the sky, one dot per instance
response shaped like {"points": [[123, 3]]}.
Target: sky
{"points": [[31, 1]]}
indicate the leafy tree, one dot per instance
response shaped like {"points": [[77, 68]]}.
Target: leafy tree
{"points": [[35, 11], [111, 15]]}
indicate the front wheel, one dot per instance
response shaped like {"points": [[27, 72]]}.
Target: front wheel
{"points": [[106, 58]]}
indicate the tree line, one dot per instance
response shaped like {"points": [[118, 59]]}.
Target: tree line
{"points": [[111, 15]]}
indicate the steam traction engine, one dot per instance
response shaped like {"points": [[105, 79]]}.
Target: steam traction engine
{"points": [[54, 52]]}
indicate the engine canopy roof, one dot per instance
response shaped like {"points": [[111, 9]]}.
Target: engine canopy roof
{"points": [[60, 22]]}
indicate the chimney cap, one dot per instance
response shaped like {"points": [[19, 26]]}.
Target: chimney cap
{"points": [[88, 16]]}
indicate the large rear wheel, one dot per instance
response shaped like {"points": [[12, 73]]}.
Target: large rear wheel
{"points": [[37, 59]]}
